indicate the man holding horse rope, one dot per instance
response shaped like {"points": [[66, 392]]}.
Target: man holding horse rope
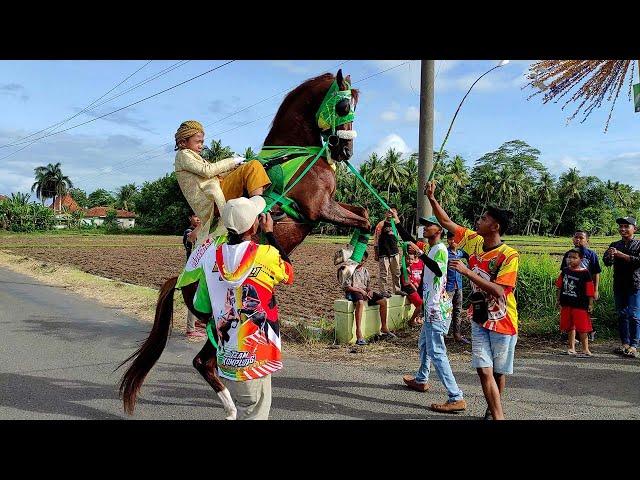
{"points": [[245, 310]]}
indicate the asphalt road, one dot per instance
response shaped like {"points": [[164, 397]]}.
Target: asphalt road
{"points": [[58, 353]]}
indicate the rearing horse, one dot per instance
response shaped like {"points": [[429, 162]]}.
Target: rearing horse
{"points": [[295, 124]]}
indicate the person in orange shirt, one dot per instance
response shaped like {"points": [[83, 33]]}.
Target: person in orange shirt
{"points": [[492, 271]]}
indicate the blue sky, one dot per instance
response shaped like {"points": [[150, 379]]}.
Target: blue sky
{"points": [[135, 144]]}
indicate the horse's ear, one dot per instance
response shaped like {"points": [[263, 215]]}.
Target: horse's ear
{"points": [[348, 79], [339, 79]]}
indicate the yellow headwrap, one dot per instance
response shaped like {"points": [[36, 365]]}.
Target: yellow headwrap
{"points": [[188, 129]]}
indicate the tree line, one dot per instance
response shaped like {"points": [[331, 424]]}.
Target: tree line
{"points": [[511, 176]]}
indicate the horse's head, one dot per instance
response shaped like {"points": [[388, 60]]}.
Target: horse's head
{"points": [[335, 117]]}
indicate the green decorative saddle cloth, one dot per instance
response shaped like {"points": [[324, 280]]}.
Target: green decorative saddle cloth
{"points": [[281, 164]]}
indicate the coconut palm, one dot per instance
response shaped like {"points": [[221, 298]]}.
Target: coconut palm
{"points": [[392, 171], [50, 182], [622, 194], [543, 190], [216, 152], [19, 198], [125, 194], [249, 153], [371, 168], [457, 172], [571, 185], [596, 79]]}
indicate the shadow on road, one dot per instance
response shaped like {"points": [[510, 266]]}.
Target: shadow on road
{"points": [[54, 396], [77, 329]]}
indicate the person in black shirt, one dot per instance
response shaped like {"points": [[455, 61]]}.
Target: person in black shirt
{"points": [[624, 255], [589, 261], [575, 296], [387, 254]]}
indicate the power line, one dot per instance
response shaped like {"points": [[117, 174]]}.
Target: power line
{"points": [[147, 80], [239, 126], [381, 72], [17, 142], [126, 106], [91, 176]]}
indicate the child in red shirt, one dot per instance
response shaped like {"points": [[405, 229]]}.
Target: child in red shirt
{"points": [[415, 267], [575, 296]]}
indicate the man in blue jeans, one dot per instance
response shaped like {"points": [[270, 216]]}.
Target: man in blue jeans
{"points": [[624, 255], [437, 318]]}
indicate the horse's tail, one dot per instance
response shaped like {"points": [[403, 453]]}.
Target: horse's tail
{"points": [[149, 353]]}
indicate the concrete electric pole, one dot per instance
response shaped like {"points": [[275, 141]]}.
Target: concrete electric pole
{"points": [[425, 140]]}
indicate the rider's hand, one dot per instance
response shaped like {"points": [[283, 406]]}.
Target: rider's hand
{"points": [[266, 222]]}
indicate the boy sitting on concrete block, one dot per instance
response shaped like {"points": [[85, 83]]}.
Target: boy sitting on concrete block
{"points": [[357, 289]]}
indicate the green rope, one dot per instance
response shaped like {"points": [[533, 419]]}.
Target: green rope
{"points": [[403, 244], [210, 333]]}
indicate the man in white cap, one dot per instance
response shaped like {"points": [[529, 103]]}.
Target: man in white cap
{"points": [[244, 307]]}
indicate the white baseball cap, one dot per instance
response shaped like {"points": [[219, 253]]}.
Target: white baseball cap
{"points": [[239, 214]]}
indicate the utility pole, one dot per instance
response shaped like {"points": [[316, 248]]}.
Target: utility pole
{"points": [[425, 140]]}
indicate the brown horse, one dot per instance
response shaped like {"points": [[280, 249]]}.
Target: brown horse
{"points": [[294, 124]]}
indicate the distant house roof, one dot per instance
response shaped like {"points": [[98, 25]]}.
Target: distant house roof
{"points": [[67, 201], [102, 212]]}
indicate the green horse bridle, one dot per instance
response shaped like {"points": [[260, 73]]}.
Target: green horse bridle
{"points": [[337, 108]]}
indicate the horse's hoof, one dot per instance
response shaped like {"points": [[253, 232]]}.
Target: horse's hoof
{"points": [[228, 405]]}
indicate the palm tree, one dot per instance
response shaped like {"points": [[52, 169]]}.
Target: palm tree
{"points": [[21, 199], [249, 153], [621, 193], [457, 172], [125, 193], [392, 171], [216, 152], [50, 182], [543, 190], [571, 185], [371, 168]]}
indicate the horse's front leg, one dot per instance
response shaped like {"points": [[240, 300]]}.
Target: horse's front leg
{"points": [[206, 364], [333, 212]]}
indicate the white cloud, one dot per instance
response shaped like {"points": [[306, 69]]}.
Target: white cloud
{"points": [[394, 141], [621, 167], [389, 116], [412, 114], [90, 161], [11, 182]]}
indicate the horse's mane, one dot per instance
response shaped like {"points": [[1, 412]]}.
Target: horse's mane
{"points": [[306, 93]]}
